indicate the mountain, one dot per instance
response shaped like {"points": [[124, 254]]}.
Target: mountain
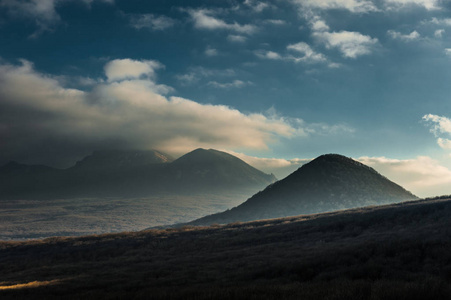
{"points": [[329, 182], [208, 169], [134, 174]]}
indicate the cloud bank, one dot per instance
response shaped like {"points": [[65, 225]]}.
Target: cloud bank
{"points": [[40, 118]]}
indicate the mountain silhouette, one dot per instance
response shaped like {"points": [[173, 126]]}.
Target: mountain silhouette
{"points": [[133, 174], [329, 182]]}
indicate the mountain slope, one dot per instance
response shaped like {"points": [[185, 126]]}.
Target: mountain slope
{"points": [[206, 169], [330, 182], [134, 174]]}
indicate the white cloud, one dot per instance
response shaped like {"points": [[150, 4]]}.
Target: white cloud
{"points": [[439, 33], [308, 55], [151, 21], [319, 25], [351, 44], [120, 69], [204, 19], [128, 110], [228, 85], [236, 38], [422, 176], [268, 54], [440, 126], [280, 167], [303, 53], [443, 22], [428, 4], [355, 6], [275, 22], [257, 6], [211, 51], [414, 35], [448, 51]]}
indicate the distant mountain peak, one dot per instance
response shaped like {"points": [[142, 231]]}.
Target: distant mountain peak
{"points": [[329, 182]]}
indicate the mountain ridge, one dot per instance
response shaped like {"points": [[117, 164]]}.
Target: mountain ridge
{"points": [[329, 182], [133, 173]]}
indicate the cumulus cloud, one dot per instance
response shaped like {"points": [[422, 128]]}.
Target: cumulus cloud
{"points": [[151, 22], [448, 51], [307, 53], [427, 4], [440, 126], [439, 33], [351, 44], [257, 6], [211, 51], [355, 6], [265, 54], [414, 35], [422, 176], [299, 52], [45, 119], [205, 19], [120, 69]]}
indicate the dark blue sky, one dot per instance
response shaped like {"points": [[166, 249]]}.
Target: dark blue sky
{"points": [[279, 79]]}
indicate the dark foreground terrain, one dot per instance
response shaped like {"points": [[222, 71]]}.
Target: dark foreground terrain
{"points": [[399, 251]]}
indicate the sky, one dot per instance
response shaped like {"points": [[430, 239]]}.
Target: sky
{"points": [[276, 83]]}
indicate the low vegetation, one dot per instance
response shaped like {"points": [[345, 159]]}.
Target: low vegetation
{"points": [[398, 251]]}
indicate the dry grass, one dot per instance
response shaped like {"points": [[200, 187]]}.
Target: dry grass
{"points": [[392, 252]]}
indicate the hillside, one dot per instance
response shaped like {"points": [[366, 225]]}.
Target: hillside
{"points": [[133, 174], [398, 251], [329, 182]]}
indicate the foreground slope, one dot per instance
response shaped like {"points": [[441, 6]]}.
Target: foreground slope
{"points": [[398, 251], [329, 182]]}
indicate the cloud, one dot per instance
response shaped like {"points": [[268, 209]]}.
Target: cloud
{"points": [[448, 51], [236, 38], [276, 22], [120, 69], [427, 4], [303, 53], [45, 119], [265, 54], [422, 176], [355, 6], [280, 167], [211, 51], [414, 35], [351, 44], [308, 55], [439, 33], [204, 19], [257, 6], [43, 12], [442, 22], [228, 85], [440, 126], [318, 24], [151, 22]]}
